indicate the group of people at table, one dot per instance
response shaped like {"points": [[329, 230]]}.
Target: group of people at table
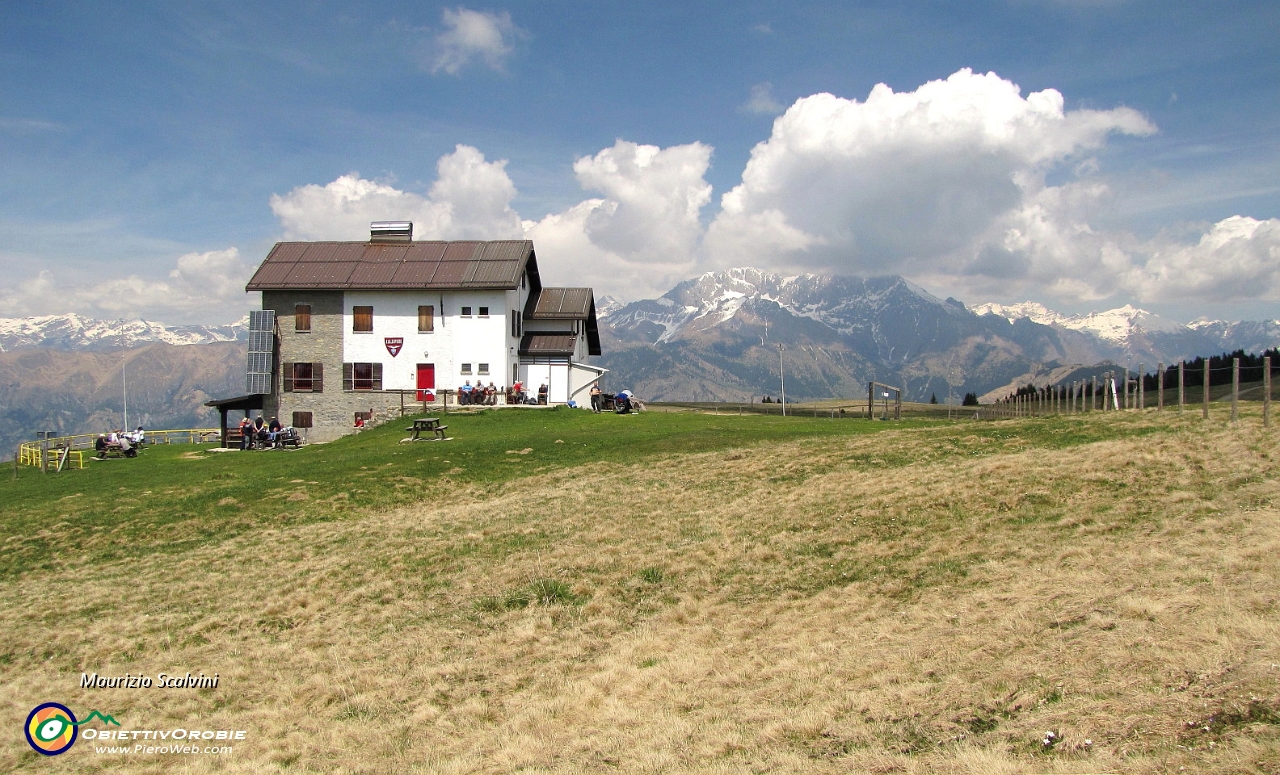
{"points": [[259, 432], [487, 395], [126, 442]]}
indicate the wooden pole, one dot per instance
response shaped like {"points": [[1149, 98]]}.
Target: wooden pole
{"points": [[1206, 389], [1159, 387], [1142, 386], [1266, 392], [1182, 394], [1093, 394], [1235, 388]]}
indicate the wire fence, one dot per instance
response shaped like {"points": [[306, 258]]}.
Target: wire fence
{"points": [[1182, 387]]}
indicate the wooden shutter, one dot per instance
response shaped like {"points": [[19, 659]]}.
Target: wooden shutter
{"points": [[288, 377], [302, 318], [362, 318], [426, 318], [347, 375], [302, 419], [377, 376], [317, 379]]}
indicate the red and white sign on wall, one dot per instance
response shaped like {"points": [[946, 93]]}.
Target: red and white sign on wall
{"points": [[394, 344]]}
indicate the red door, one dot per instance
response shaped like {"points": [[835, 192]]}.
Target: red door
{"points": [[426, 382]]}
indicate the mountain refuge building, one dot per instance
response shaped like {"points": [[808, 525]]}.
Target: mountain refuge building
{"points": [[352, 327]]}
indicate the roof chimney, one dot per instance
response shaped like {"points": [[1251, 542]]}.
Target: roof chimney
{"points": [[391, 231]]}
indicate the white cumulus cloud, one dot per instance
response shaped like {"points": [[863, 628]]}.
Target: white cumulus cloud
{"points": [[199, 286], [903, 181], [470, 199], [473, 36], [643, 234], [1237, 259]]}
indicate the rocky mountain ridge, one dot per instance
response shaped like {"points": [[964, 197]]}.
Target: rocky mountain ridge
{"points": [[716, 336]]}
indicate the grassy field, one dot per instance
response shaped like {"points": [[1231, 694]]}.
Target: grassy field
{"points": [[554, 591]]}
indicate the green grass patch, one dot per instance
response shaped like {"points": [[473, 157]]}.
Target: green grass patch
{"points": [[171, 499]]}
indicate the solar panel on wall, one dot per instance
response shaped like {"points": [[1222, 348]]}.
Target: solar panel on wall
{"points": [[262, 327]]}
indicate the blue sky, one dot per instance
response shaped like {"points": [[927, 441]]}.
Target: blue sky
{"points": [[152, 152]]}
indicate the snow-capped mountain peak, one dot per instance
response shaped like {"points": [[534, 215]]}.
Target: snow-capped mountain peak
{"points": [[1116, 326], [74, 332]]}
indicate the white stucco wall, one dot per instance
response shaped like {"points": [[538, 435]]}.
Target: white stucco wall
{"points": [[455, 340]]}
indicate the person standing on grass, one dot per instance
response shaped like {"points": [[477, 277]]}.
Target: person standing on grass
{"points": [[246, 432], [597, 397]]}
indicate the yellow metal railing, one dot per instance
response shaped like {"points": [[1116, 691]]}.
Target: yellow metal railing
{"points": [[68, 451]]}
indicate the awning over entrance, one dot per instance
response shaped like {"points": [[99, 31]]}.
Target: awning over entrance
{"points": [[244, 404], [548, 343]]}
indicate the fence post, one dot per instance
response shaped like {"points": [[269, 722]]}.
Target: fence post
{"points": [[1142, 386], [1181, 385], [1206, 389], [1159, 387], [1235, 387], [1266, 392]]}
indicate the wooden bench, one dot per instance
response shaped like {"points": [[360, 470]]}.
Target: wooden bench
{"points": [[431, 424]]}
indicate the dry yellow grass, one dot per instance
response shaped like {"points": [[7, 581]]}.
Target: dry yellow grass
{"points": [[902, 602]]}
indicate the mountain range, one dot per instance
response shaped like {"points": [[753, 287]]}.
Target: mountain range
{"points": [[714, 337], [73, 332]]}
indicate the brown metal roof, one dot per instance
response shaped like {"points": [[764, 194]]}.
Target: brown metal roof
{"points": [[567, 304], [563, 303], [548, 343], [413, 265]]}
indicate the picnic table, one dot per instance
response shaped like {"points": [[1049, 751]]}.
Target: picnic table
{"points": [[424, 425]]}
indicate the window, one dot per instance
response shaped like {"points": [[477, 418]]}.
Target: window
{"points": [[302, 419], [302, 318], [363, 417], [426, 318], [484, 369], [362, 319], [304, 378], [515, 324], [466, 368], [362, 376], [466, 312], [484, 312]]}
